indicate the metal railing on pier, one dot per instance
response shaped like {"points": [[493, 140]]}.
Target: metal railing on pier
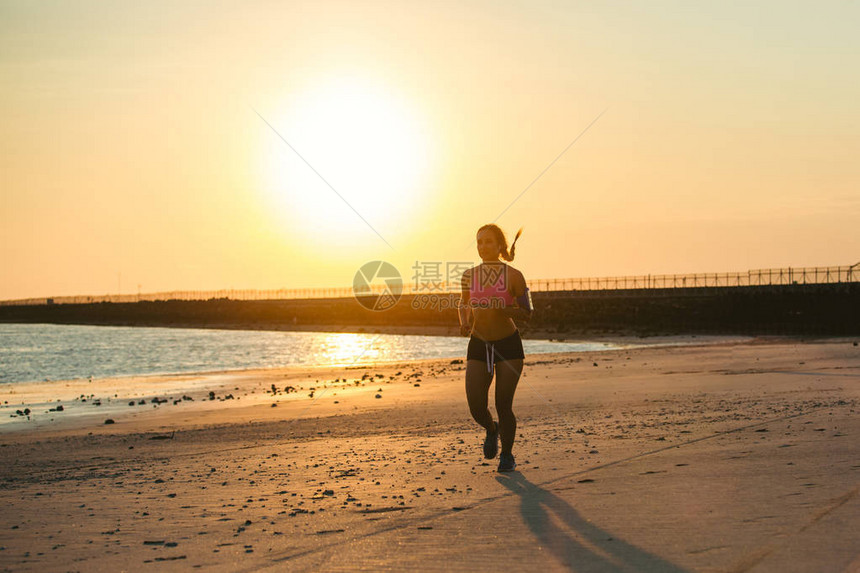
{"points": [[760, 277]]}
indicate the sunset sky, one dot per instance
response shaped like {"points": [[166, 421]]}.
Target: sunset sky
{"points": [[135, 153]]}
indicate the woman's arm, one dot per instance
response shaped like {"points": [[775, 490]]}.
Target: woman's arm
{"points": [[464, 310]]}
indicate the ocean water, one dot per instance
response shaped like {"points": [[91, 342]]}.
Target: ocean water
{"points": [[37, 352]]}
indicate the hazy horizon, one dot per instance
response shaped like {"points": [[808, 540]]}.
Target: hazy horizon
{"points": [[132, 145]]}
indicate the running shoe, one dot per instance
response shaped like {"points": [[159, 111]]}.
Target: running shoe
{"points": [[491, 443], [506, 462]]}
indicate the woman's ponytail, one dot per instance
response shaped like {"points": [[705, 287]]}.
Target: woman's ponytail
{"points": [[510, 257]]}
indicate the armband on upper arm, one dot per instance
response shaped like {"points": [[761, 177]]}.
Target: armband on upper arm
{"points": [[525, 301]]}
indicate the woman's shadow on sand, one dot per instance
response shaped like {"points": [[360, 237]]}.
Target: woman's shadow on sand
{"points": [[576, 543]]}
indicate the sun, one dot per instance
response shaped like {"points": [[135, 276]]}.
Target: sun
{"points": [[360, 152]]}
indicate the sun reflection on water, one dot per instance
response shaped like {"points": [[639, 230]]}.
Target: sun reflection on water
{"points": [[348, 348]]}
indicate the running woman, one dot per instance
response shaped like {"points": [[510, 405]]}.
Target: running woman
{"points": [[494, 294]]}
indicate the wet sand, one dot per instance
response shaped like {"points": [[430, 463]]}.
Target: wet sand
{"points": [[740, 456]]}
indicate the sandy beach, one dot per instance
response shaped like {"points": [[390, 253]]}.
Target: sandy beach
{"points": [[731, 456]]}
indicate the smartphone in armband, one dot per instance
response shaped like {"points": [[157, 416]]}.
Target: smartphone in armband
{"points": [[525, 301]]}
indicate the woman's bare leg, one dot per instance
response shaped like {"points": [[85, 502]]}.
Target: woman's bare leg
{"points": [[507, 376], [477, 388]]}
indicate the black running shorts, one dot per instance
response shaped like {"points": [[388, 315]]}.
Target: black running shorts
{"points": [[493, 351]]}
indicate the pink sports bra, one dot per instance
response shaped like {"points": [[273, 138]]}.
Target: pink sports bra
{"points": [[494, 295]]}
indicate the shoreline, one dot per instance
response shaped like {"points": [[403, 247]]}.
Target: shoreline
{"points": [[420, 330], [452, 347], [572, 335], [87, 402]]}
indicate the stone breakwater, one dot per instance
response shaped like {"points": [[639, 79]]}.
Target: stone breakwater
{"points": [[827, 309]]}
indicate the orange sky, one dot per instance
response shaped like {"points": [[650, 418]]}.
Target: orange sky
{"points": [[131, 152]]}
